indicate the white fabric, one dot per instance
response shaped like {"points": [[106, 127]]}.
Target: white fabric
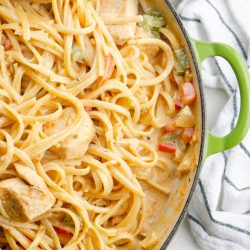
{"points": [[220, 212]]}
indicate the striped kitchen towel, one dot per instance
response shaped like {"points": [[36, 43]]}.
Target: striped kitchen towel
{"points": [[220, 212]]}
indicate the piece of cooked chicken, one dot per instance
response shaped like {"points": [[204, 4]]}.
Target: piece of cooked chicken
{"points": [[147, 5], [75, 145], [30, 176], [25, 200], [120, 8]]}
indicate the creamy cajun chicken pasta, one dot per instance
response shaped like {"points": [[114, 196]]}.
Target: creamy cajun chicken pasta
{"points": [[97, 123]]}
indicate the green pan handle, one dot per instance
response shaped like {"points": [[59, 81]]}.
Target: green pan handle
{"points": [[215, 144]]}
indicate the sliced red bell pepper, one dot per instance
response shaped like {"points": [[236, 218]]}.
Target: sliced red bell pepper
{"points": [[187, 135], [168, 147], [187, 93], [178, 105], [62, 232]]}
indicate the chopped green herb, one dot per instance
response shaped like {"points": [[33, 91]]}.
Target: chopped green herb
{"points": [[77, 55], [183, 63], [155, 31], [159, 19], [179, 71], [170, 137], [152, 22], [68, 220]]}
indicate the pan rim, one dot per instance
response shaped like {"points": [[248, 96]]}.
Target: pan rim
{"points": [[203, 125]]}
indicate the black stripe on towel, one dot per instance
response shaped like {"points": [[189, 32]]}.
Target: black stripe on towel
{"points": [[234, 186], [244, 53], [235, 109], [245, 149], [227, 179], [225, 163], [221, 73], [190, 19], [192, 218], [232, 227]]}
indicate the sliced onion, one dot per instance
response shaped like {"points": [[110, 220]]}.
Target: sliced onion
{"points": [[185, 118]]}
